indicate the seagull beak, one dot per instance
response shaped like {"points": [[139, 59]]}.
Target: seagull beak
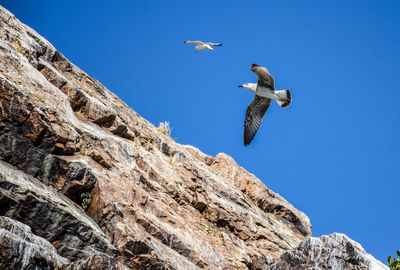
{"points": [[240, 86]]}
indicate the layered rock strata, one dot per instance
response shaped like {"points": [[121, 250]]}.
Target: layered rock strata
{"points": [[334, 251]]}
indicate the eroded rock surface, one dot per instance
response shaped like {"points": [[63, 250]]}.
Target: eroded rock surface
{"points": [[105, 189], [334, 251], [19, 248]]}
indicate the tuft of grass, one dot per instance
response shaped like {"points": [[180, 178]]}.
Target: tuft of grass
{"points": [[171, 162], [86, 199], [18, 46], [394, 264], [85, 146], [212, 229], [37, 96], [164, 128], [255, 201], [82, 110]]}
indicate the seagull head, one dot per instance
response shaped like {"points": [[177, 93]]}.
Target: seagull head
{"points": [[250, 86]]}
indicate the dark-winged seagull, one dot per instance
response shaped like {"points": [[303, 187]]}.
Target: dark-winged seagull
{"points": [[202, 46], [265, 91]]}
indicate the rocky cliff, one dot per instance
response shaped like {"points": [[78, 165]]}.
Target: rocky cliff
{"points": [[86, 183]]}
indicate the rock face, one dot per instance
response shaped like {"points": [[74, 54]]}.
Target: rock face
{"points": [[335, 251], [86, 183], [20, 248]]}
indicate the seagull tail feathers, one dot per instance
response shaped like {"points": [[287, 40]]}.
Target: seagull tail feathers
{"points": [[284, 98]]}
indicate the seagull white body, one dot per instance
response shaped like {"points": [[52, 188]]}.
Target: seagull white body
{"points": [[200, 46], [264, 92]]}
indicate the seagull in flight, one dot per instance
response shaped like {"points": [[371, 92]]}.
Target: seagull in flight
{"points": [[202, 46], [265, 92]]}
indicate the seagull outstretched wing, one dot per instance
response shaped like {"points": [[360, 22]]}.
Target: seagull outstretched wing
{"points": [[193, 42], [214, 44], [264, 78], [254, 115]]}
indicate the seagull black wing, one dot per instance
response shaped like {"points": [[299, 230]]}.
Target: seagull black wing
{"points": [[264, 78], [214, 44], [254, 115]]}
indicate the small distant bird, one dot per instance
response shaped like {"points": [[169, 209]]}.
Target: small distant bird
{"points": [[202, 46], [265, 91]]}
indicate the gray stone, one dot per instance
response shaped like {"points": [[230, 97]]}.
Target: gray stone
{"points": [[334, 251], [21, 249]]}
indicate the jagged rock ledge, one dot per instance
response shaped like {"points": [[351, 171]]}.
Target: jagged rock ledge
{"points": [[86, 183]]}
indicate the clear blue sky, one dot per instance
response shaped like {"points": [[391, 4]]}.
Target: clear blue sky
{"points": [[334, 153]]}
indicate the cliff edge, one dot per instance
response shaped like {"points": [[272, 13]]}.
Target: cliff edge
{"points": [[86, 183]]}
